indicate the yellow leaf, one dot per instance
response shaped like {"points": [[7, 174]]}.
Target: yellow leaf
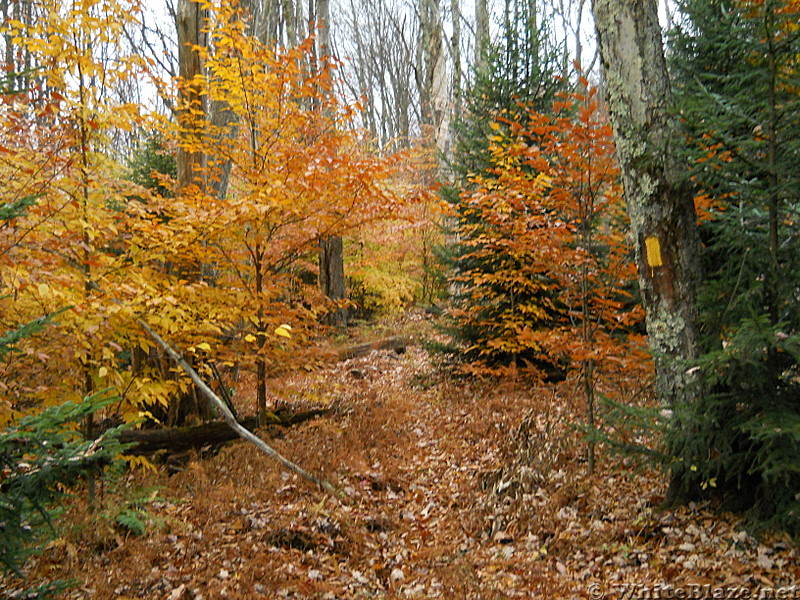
{"points": [[102, 372], [693, 468], [204, 346], [44, 291], [249, 338], [494, 125], [283, 331], [139, 462]]}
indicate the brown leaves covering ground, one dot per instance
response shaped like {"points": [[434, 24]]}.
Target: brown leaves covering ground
{"points": [[453, 489]]}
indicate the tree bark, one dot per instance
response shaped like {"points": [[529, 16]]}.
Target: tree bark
{"points": [[331, 249], [481, 35], [456, 103], [396, 343], [223, 119], [189, 21], [658, 195], [331, 275], [431, 78], [179, 439], [455, 12]]}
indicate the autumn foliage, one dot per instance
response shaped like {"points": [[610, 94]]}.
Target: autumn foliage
{"points": [[230, 278], [546, 272], [65, 249]]}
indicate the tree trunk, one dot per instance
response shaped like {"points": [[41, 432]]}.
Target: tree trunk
{"points": [[269, 31], [189, 22], [431, 78], [223, 118], [455, 11], [331, 275], [322, 14], [257, 257], [189, 18], [657, 193], [179, 439], [290, 22], [455, 109], [481, 35], [331, 249], [396, 343]]}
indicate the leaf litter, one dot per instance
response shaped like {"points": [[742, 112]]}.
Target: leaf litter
{"points": [[451, 489]]}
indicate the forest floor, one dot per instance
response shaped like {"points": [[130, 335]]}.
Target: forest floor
{"points": [[452, 489]]}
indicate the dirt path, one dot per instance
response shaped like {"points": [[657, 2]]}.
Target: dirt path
{"points": [[453, 490]]}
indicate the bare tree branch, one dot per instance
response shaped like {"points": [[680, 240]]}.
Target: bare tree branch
{"points": [[231, 420]]}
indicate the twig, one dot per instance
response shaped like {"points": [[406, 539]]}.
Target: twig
{"points": [[230, 419], [223, 389]]}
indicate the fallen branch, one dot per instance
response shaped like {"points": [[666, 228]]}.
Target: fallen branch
{"points": [[397, 343], [178, 439], [230, 419]]}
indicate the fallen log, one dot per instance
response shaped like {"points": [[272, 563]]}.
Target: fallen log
{"points": [[180, 439], [231, 420], [396, 343]]}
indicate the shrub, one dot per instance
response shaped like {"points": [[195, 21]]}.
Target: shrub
{"points": [[38, 459]]}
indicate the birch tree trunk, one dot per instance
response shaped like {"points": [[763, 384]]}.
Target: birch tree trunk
{"points": [[657, 192], [271, 10]]}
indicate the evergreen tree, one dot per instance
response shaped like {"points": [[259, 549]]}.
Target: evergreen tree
{"points": [[736, 69], [38, 458], [150, 161], [520, 73]]}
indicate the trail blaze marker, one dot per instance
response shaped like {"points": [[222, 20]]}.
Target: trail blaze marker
{"points": [[653, 248]]}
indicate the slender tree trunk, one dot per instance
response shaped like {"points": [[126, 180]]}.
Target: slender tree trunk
{"points": [[261, 334], [587, 376], [431, 74], [291, 23], [437, 68], [331, 249], [189, 18], [421, 68], [222, 117], [773, 201], [189, 24], [86, 268], [456, 104], [270, 29], [481, 35], [587, 331], [658, 196], [331, 275]]}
